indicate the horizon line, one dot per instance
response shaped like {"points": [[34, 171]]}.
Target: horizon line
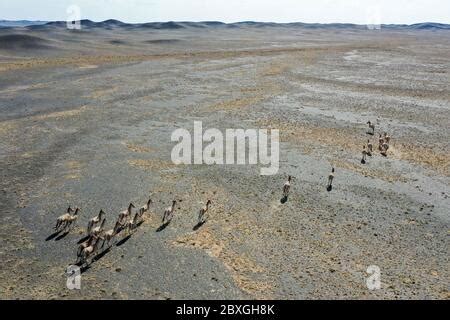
{"points": [[218, 21]]}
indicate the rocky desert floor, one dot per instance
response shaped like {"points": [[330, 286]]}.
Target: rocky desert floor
{"points": [[86, 119]]}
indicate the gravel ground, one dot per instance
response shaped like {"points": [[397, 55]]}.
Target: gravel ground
{"points": [[86, 120]]}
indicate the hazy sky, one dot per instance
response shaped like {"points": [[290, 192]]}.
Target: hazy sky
{"points": [[325, 11]]}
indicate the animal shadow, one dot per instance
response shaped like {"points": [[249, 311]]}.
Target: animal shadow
{"points": [[163, 226], [62, 236], [87, 265], [284, 199], [122, 241], [53, 235], [329, 188], [199, 225], [363, 161], [85, 268], [139, 223], [100, 255], [83, 239]]}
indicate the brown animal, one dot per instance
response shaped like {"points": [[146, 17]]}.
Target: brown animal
{"points": [[168, 213], [89, 251], [93, 222], [131, 224], [99, 229], [369, 148], [287, 187], [124, 215], [202, 215], [69, 221], [364, 154], [107, 236], [371, 126], [331, 178], [144, 209]]}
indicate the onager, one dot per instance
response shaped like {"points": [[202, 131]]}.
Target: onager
{"points": [[287, 187], [331, 178], [364, 154], [73, 218], [380, 142], [85, 244], [387, 138], [93, 222], [98, 230], [89, 250], [202, 215], [369, 148], [384, 149], [63, 218], [124, 215], [107, 236], [168, 213], [131, 224], [70, 220], [371, 126], [144, 209]]}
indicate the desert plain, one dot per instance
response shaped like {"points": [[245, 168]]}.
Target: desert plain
{"points": [[86, 118]]}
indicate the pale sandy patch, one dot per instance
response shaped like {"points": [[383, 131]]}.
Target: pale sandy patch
{"points": [[240, 266], [151, 164], [61, 114], [426, 156], [252, 96], [138, 148], [275, 69], [235, 104], [74, 168], [351, 140], [97, 94], [7, 127]]}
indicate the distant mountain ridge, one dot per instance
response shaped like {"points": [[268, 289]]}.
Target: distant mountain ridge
{"points": [[173, 25], [20, 23]]}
